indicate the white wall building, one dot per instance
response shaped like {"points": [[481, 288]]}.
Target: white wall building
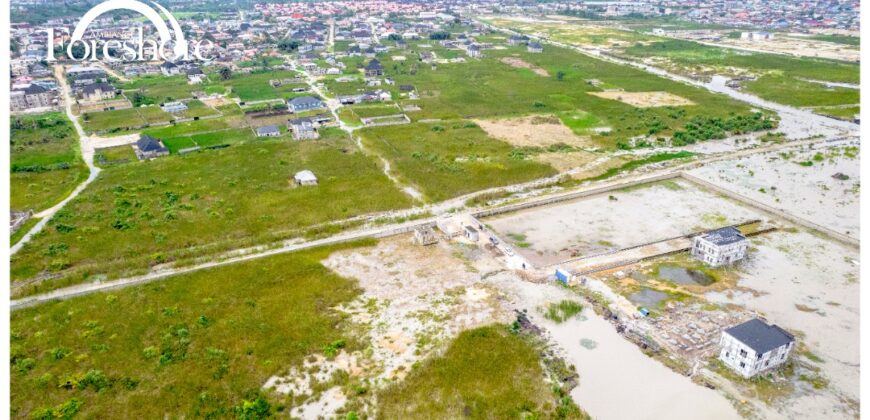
{"points": [[754, 346], [720, 246]]}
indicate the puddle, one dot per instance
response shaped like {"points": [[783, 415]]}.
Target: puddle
{"points": [[648, 297], [682, 275]]}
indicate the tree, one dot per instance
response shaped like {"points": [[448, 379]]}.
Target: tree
{"points": [[225, 73], [288, 45], [439, 35], [560, 75]]}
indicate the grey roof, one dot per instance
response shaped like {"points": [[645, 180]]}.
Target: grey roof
{"points": [[759, 336], [374, 65], [724, 236], [268, 129], [147, 143], [34, 89], [535, 45], [304, 100], [104, 87]]}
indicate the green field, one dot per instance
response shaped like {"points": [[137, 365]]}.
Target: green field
{"points": [[451, 158], [781, 78], [838, 39], [486, 373], [489, 88], [123, 119], [196, 108], [181, 207], [196, 345], [162, 88], [842, 112], [44, 161], [230, 136], [255, 86], [115, 155]]}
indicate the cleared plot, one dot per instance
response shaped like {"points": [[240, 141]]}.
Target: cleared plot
{"points": [[645, 99], [534, 130], [486, 372], [822, 185], [368, 111], [520, 64], [44, 161], [116, 353], [190, 206], [450, 159], [196, 108], [124, 119], [231, 136], [115, 155], [195, 127], [162, 88], [557, 232], [255, 86]]}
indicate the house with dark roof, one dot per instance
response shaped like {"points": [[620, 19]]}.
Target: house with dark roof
{"points": [[97, 92], [304, 103], [535, 47], [754, 346], [148, 147], [373, 68], [719, 247], [303, 128]]}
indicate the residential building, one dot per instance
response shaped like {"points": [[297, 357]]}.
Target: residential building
{"points": [[754, 347], [268, 131], [174, 107], [305, 177], [97, 92], [304, 103], [30, 97], [148, 147], [303, 129], [720, 246], [535, 47], [374, 68]]}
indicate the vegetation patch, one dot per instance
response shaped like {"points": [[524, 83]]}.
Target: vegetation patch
{"points": [[562, 311], [44, 161], [486, 373], [201, 343]]}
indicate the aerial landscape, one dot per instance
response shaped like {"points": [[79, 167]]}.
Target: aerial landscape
{"points": [[407, 209]]}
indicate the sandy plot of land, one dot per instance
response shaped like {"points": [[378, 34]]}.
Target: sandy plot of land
{"points": [[811, 192], [616, 220], [534, 130], [645, 99], [216, 101], [809, 284], [566, 161], [521, 64], [799, 47]]}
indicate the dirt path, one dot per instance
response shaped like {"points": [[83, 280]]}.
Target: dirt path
{"points": [[86, 148]]}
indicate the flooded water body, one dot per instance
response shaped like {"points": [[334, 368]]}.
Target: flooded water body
{"points": [[682, 275], [618, 381], [648, 297]]}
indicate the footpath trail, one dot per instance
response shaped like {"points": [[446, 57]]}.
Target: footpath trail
{"points": [[86, 148]]}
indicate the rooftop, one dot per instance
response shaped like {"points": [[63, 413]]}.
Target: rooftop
{"points": [[759, 336], [724, 236]]}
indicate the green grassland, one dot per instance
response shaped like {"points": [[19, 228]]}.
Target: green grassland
{"points": [[176, 208], [838, 39], [486, 373], [451, 158], [781, 78], [44, 161], [488, 88], [255, 86], [842, 112], [367, 111], [124, 119], [161, 89], [196, 345], [214, 138], [115, 155], [195, 108]]}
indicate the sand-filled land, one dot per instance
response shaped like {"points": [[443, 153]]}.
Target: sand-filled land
{"points": [[522, 64], [645, 99]]}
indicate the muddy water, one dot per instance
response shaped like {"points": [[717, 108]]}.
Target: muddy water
{"points": [[617, 381], [682, 275]]}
